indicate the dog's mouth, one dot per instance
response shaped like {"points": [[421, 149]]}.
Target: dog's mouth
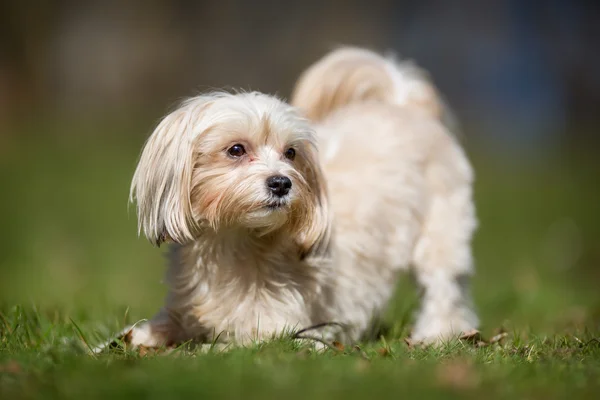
{"points": [[276, 204]]}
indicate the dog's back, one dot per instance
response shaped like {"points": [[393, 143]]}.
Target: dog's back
{"points": [[352, 75], [398, 182]]}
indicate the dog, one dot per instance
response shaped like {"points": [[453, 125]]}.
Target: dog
{"points": [[285, 216]]}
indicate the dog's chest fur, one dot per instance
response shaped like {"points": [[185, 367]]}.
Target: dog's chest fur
{"points": [[242, 287]]}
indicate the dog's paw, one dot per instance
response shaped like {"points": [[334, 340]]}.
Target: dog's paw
{"points": [[135, 336], [144, 335], [442, 329]]}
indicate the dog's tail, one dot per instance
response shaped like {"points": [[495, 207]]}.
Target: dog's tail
{"points": [[351, 75]]}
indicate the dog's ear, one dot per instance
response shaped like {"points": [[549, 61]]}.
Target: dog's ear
{"points": [[313, 237], [162, 180]]}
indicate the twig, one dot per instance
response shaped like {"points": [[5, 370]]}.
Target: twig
{"points": [[321, 325]]}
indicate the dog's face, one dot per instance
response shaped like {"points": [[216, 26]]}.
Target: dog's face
{"points": [[253, 170], [231, 161]]}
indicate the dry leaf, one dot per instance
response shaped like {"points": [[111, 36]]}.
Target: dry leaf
{"points": [[384, 352], [471, 336], [474, 337], [338, 345]]}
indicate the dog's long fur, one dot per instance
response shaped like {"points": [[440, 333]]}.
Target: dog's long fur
{"points": [[379, 185]]}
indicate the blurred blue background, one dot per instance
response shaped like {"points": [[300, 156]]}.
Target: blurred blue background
{"points": [[524, 72]]}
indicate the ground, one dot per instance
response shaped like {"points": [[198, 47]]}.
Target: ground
{"points": [[73, 272]]}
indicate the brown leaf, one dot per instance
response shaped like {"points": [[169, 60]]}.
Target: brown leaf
{"points": [[474, 337], [338, 345], [384, 352], [471, 336]]}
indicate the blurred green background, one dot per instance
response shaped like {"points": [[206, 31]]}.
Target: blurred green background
{"points": [[82, 84]]}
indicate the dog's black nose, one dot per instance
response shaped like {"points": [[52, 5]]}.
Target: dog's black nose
{"points": [[279, 185]]}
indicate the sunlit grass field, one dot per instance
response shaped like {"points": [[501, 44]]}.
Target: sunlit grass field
{"points": [[73, 272]]}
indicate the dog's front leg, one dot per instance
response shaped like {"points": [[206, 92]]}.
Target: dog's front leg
{"points": [[163, 330]]}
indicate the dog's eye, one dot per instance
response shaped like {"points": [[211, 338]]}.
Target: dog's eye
{"points": [[290, 154], [237, 150]]}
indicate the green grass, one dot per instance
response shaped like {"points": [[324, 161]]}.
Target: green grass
{"points": [[73, 272]]}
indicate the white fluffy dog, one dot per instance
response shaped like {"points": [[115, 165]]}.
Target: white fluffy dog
{"points": [[284, 217]]}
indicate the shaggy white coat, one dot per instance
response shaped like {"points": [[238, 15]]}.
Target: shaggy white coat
{"points": [[379, 185]]}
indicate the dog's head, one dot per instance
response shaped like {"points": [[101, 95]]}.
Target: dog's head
{"points": [[231, 160]]}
